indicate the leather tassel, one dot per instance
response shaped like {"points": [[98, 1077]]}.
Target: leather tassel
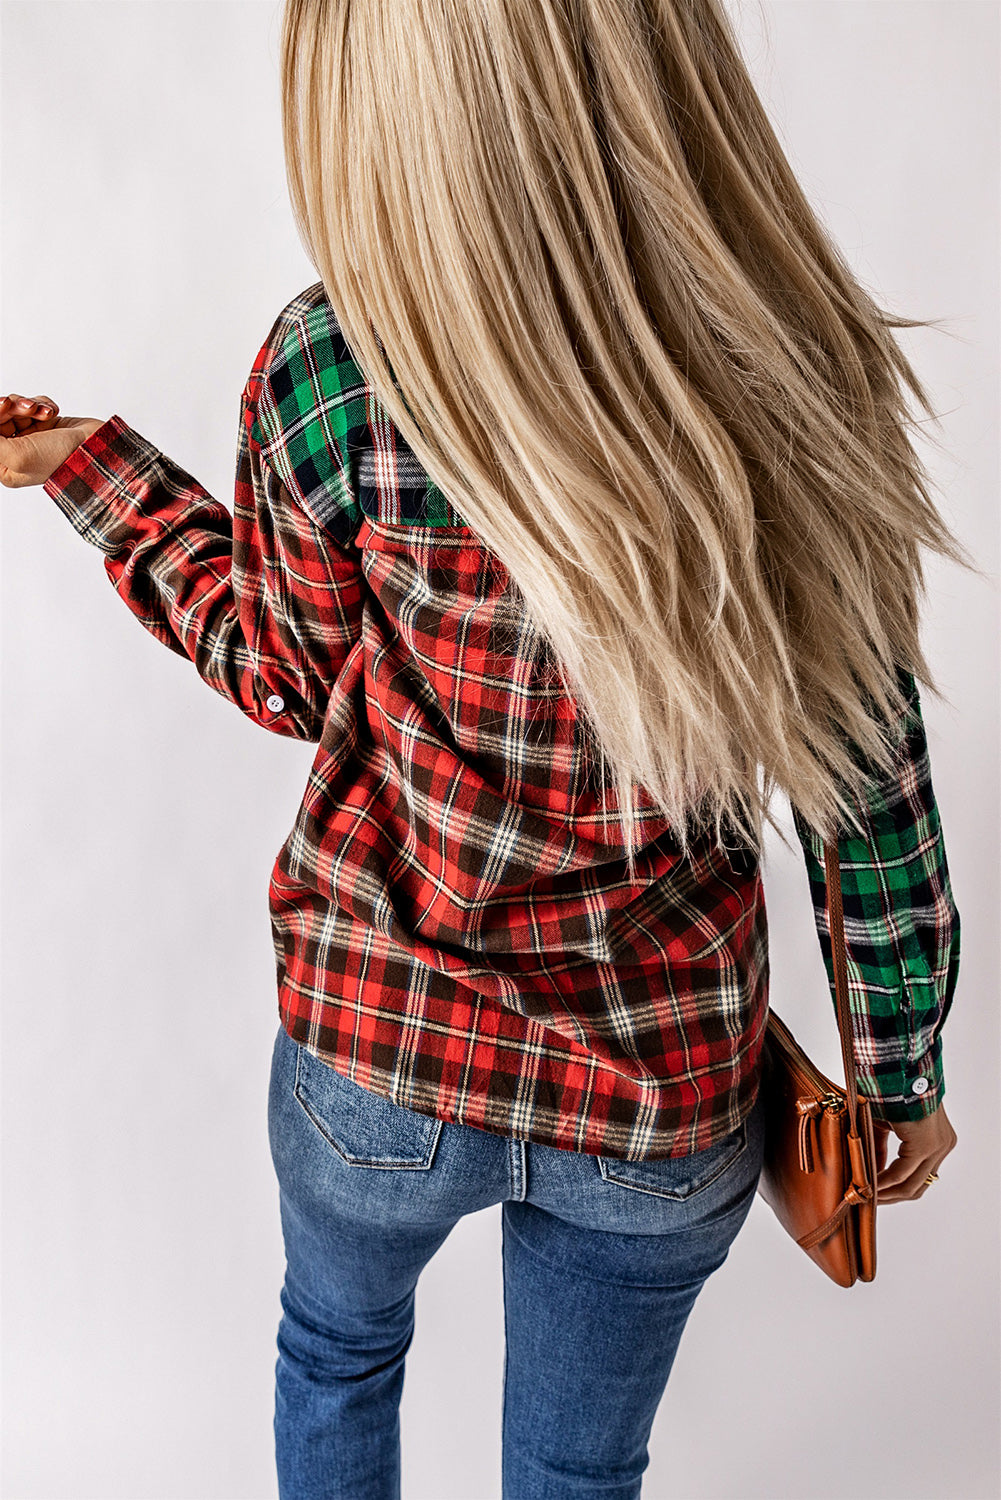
{"points": [[808, 1109]]}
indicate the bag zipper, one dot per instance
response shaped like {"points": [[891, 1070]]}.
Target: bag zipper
{"points": [[808, 1110], [783, 1036]]}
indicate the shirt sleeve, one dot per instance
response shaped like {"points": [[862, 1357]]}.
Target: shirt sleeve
{"points": [[902, 929], [265, 602]]}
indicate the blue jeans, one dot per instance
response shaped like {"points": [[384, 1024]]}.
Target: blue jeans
{"points": [[602, 1263]]}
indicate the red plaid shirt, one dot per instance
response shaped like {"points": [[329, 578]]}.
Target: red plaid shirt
{"points": [[452, 919]]}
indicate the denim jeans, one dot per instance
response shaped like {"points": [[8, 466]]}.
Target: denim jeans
{"points": [[602, 1262]]}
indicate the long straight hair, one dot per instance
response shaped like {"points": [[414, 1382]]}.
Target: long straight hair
{"points": [[575, 267]]}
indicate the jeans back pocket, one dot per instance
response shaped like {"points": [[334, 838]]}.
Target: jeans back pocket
{"points": [[677, 1177], [365, 1129]]}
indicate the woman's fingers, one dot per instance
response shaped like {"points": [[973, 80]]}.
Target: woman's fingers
{"points": [[27, 406], [914, 1185], [27, 402], [924, 1146], [21, 413]]}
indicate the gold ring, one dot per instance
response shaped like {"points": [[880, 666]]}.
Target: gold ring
{"points": [[932, 1177]]}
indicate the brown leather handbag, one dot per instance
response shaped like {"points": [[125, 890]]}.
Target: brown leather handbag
{"points": [[820, 1165]]}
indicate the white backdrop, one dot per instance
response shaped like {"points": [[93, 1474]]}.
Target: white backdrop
{"points": [[147, 247]]}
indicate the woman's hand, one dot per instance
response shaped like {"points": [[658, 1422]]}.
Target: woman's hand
{"points": [[35, 440], [924, 1146]]}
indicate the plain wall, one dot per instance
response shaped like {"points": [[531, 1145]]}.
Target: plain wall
{"points": [[147, 247]]}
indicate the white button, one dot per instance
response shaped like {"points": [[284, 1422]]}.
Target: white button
{"points": [[275, 703], [920, 1086]]}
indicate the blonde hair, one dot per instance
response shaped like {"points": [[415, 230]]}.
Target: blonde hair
{"points": [[574, 265]]}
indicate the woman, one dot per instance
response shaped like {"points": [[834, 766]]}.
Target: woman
{"points": [[577, 489]]}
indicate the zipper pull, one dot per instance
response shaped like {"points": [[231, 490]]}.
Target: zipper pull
{"points": [[808, 1110]]}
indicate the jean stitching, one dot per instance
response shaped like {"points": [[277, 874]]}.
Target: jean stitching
{"points": [[395, 1164], [674, 1197]]}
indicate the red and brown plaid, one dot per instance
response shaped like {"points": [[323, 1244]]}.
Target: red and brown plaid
{"points": [[453, 923]]}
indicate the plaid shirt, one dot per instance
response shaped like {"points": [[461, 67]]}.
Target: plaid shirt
{"points": [[453, 923]]}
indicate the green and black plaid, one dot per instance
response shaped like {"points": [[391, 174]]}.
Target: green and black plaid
{"points": [[902, 928]]}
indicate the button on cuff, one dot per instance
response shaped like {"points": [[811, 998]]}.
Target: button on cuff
{"points": [[920, 1086], [275, 703]]}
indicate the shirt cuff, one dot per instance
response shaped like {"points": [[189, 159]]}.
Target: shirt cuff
{"points": [[93, 486], [917, 1089]]}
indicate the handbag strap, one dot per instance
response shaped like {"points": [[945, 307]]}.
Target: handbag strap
{"points": [[836, 921]]}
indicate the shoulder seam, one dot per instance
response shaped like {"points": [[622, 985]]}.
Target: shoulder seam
{"points": [[291, 315], [301, 368]]}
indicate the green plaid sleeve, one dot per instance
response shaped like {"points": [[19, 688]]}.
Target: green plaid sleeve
{"points": [[902, 930]]}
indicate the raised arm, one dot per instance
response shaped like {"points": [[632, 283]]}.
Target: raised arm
{"points": [[265, 602]]}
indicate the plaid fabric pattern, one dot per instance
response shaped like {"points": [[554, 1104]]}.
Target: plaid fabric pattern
{"points": [[902, 927], [452, 920]]}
